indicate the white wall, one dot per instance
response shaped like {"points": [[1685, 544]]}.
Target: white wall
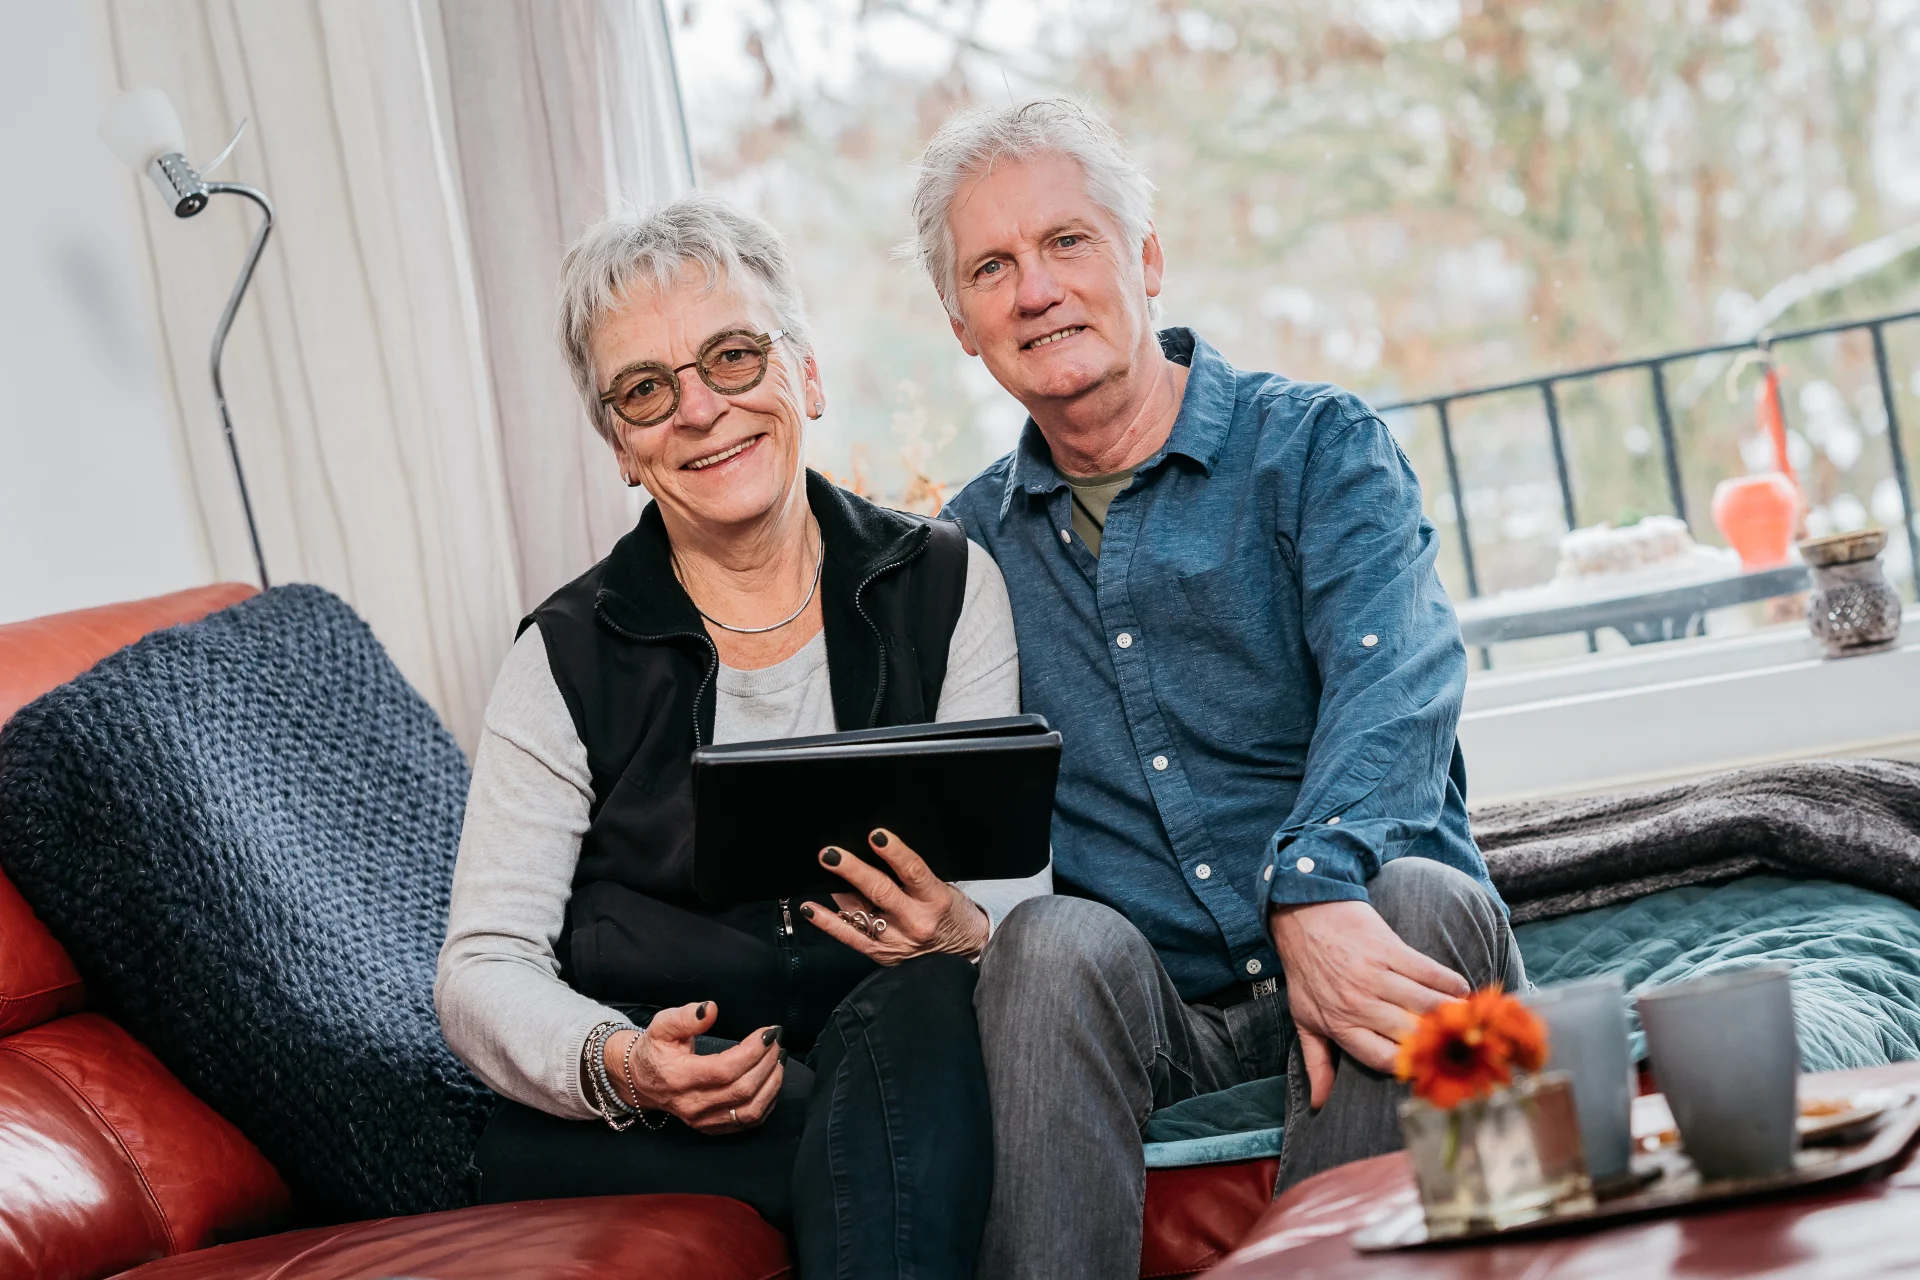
{"points": [[93, 500]]}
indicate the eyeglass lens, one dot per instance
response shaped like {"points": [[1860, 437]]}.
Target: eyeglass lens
{"points": [[730, 364]]}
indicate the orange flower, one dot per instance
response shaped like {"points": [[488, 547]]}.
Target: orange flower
{"points": [[1467, 1048]]}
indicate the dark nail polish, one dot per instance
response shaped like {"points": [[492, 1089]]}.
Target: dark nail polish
{"points": [[701, 1012], [806, 911], [770, 1035], [783, 1057], [879, 839], [830, 856]]}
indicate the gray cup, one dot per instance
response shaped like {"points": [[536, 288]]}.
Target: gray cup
{"points": [[1723, 1052], [1587, 1036]]}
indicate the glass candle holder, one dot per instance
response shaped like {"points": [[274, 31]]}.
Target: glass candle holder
{"points": [[1852, 609], [1495, 1162]]}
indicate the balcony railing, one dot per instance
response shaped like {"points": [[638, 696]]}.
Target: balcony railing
{"points": [[1655, 367]]}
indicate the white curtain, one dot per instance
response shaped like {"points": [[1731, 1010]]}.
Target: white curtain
{"points": [[410, 438], [566, 109]]}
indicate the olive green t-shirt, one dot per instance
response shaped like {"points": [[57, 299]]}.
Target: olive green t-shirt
{"points": [[1092, 495]]}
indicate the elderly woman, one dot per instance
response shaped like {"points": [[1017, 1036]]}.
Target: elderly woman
{"points": [[828, 1075]]}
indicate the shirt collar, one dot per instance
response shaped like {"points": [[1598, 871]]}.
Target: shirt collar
{"points": [[1206, 414]]}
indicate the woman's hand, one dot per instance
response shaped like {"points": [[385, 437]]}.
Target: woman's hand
{"points": [[920, 915], [715, 1092]]}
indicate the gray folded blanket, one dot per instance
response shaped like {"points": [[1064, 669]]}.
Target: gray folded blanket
{"points": [[1851, 820]]}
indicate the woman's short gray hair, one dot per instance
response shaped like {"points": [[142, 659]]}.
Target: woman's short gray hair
{"points": [[973, 141], [650, 248]]}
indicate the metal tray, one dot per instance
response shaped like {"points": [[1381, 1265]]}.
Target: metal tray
{"points": [[1670, 1184]]}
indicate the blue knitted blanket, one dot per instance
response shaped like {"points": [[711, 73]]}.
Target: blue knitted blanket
{"points": [[243, 830]]}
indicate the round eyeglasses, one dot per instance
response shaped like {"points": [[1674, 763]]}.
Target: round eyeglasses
{"points": [[731, 362]]}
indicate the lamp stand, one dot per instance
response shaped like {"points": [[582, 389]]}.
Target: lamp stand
{"points": [[219, 346]]}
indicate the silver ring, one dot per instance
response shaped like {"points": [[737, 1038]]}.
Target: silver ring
{"points": [[879, 926], [734, 1115]]}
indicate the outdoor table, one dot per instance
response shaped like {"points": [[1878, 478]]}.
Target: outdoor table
{"points": [[1643, 617]]}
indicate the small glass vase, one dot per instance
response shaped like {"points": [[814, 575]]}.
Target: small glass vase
{"points": [[1495, 1162]]}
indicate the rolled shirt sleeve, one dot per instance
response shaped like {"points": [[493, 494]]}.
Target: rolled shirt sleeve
{"points": [[1392, 670]]}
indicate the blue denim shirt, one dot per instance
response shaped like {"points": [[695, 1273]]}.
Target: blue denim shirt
{"points": [[1258, 679]]}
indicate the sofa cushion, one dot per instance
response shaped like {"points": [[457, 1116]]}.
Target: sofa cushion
{"points": [[37, 979], [1195, 1216], [106, 1160], [660, 1237], [243, 831]]}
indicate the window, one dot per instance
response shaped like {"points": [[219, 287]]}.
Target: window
{"points": [[1407, 197]]}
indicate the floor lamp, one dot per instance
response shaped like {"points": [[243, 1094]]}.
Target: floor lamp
{"points": [[143, 129]]}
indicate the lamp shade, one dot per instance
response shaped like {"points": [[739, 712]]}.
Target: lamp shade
{"points": [[142, 126]]}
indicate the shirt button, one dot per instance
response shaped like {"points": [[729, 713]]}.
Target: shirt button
{"points": [[1203, 872], [1334, 821], [1065, 536], [1367, 642], [1304, 866], [1268, 873], [1253, 966], [1160, 764], [1124, 640]]}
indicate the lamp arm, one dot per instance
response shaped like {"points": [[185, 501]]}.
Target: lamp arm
{"points": [[219, 346]]}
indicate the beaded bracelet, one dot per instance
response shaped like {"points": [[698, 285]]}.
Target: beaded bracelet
{"points": [[655, 1120], [599, 1090]]}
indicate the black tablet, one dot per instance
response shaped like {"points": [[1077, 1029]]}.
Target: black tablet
{"points": [[972, 797]]}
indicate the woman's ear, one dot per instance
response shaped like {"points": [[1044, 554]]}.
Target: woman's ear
{"points": [[628, 472]]}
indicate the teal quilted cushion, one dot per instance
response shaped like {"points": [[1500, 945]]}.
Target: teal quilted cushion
{"points": [[1856, 956]]}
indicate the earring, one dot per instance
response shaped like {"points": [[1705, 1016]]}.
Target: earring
{"points": [[818, 408]]}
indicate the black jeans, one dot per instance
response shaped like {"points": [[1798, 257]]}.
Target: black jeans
{"points": [[878, 1158]]}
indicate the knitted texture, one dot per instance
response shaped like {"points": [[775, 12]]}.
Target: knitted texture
{"points": [[1856, 821], [243, 829]]}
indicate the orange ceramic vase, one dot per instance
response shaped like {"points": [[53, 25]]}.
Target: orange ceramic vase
{"points": [[1757, 515]]}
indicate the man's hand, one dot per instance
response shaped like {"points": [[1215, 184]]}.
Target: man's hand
{"points": [[1350, 980]]}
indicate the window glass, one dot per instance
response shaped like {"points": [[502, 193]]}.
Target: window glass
{"points": [[1407, 197]]}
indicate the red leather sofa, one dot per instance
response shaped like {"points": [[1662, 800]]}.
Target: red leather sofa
{"points": [[109, 1166]]}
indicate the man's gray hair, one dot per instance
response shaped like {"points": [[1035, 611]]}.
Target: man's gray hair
{"points": [[974, 141], [650, 249]]}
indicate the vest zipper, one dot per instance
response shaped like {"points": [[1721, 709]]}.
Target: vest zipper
{"points": [[713, 662], [790, 957], [880, 685]]}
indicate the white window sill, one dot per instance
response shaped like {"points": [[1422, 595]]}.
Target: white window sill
{"points": [[1685, 708]]}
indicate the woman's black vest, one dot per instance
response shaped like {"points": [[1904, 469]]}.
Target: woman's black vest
{"points": [[637, 668]]}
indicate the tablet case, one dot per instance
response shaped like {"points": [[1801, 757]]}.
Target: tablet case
{"points": [[972, 797]]}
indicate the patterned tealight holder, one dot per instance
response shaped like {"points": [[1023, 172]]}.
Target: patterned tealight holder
{"points": [[1852, 608]]}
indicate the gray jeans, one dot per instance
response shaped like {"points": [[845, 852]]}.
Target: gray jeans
{"points": [[1084, 1036]]}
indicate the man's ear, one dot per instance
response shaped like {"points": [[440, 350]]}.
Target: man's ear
{"points": [[1153, 262], [810, 384], [960, 332]]}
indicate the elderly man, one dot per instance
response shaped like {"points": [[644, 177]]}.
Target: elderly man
{"points": [[1225, 599]]}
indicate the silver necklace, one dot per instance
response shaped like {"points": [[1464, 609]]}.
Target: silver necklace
{"points": [[819, 563]]}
